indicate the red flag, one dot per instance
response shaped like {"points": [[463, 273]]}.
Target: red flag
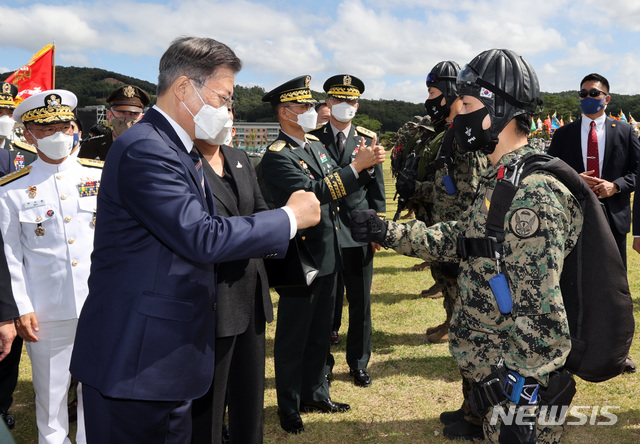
{"points": [[36, 76]]}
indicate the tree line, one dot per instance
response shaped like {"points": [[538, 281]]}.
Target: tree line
{"points": [[93, 85]]}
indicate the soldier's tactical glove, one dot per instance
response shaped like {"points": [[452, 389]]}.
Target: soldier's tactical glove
{"points": [[366, 226]]}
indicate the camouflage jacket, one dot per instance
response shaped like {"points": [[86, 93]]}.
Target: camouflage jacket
{"points": [[534, 338]]}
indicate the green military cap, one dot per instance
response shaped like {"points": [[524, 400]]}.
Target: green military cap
{"points": [[295, 90], [53, 106], [344, 86], [128, 98], [7, 95]]}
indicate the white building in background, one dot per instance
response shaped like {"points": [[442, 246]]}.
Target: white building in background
{"points": [[255, 136]]}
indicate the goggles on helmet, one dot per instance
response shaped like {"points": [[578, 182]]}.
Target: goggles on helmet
{"points": [[433, 78]]}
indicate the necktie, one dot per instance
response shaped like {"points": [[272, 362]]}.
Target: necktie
{"points": [[342, 141], [197, 161], [307, 148], [593, 160]]}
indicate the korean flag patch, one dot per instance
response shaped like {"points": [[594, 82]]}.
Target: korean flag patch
{"points": [[484, 92]]}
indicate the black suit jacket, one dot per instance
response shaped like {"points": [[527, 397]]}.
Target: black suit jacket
{"points": [[8, 309], [239, 281], [621, 154]]}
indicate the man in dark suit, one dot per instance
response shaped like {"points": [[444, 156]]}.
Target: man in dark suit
{"points": [[605, 152], [611, 170], [9, 355], [297, 160], [244, 304], [341, 140], [8, 312], [145, 340]]}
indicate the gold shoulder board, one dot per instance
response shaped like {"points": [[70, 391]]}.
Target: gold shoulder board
{"points": [[93, 163], [25, 146], [366, 132], [312, 137], [15, 175], [277, 145]]}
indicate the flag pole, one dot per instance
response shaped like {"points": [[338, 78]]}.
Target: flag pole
{"points": [[53, 65]]}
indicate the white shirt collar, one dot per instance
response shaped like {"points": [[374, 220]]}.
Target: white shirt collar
{"points": [[336, 130], [182, 134], [586, 122]]}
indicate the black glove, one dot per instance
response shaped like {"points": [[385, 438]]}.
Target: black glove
{"points": [[366, 226]]}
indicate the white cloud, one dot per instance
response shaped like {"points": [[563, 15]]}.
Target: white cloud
{"points": [[390, 44]]}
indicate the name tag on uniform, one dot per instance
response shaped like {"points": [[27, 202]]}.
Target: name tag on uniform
{"points": [[33, 204]]}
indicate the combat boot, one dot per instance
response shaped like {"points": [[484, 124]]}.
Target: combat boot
{"points": [[440, 336], [434, 292], [463, 430], [452, 416], [432, 330]]}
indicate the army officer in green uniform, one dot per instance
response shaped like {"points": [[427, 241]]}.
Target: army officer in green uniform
{"points": [[126, 107], [341, 140], [297, 160]]}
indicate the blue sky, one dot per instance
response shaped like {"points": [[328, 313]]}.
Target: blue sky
{"points": [[390, 44]]}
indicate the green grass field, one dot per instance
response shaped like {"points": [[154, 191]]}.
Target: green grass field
{"points": [[413, 381]]}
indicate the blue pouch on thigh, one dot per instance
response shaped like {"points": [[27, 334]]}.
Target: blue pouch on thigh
{"points": [[449, 186], [500, 288]]}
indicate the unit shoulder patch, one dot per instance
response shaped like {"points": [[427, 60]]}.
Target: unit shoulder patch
{"points": [[365, 132], [93, 163], [15, 175], [277, 145], [25, 146]]}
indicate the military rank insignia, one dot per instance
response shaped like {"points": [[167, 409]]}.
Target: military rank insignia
{"points": [[88, 188]]}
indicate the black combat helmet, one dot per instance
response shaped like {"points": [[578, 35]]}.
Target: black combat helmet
{"points": [[505, 83], [443, 76]]}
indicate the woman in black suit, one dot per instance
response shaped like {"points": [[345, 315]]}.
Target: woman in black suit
{"points": [[243, 305]]}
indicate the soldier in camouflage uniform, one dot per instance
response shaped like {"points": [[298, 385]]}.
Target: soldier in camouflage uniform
{"points": [[531, 340]]}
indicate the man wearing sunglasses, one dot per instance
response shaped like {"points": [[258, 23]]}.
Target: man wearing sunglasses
{"points": [[605, 152]]}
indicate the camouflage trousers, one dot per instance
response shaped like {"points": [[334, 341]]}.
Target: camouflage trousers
{"points": [[478, 350], [446, 274]]}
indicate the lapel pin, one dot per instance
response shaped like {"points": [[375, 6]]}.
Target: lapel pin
{"points": [[238, 165]]}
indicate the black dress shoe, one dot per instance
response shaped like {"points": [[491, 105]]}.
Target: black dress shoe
{"points": [[291, 423], [8, 419], [450, 417], [360, 377], [325, 406], [629, 366]]}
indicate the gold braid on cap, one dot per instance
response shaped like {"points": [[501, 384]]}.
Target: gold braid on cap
{"points": [[6, 101], [47, 114], [297, 95], [343, 90]]}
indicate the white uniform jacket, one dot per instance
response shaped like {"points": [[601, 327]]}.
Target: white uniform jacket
{"points": [[47, 219]]}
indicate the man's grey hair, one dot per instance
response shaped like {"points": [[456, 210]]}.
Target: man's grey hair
{"points": [[196, 58]]}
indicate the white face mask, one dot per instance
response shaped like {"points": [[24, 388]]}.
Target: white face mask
{"points": [[308, 120], [209, 121], [6, 126], [224, 136], [57, 146], [343, 112]]}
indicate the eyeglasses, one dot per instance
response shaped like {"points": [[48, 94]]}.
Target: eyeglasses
{"points": [[351, 102], [226, 101], [591, 93]]}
